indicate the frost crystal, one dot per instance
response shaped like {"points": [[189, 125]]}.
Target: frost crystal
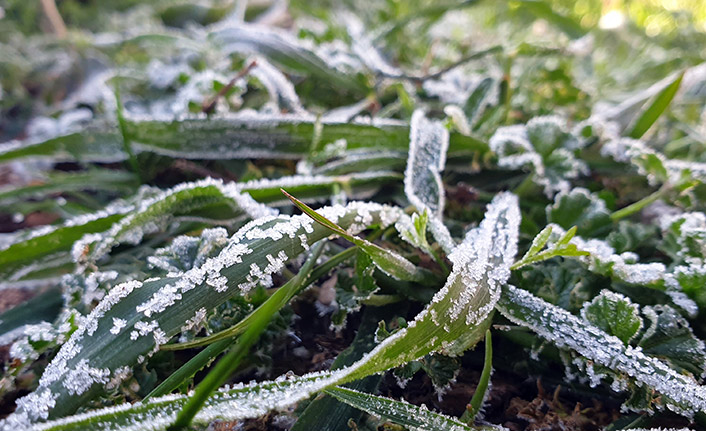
{"points": [[82, 377], [118, 325]]}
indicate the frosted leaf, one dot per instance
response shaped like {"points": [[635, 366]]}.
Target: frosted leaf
{"points": [[149, 215], [400, 412], [429, 141], [481, 265], [615, 314], [681, 393], [286, 50], [281, 90], [186, 252], [687, 233], [143, 304], [624, 267], [544, 147], [669, 337], [362, 46], [581, 208], [117, 207]]}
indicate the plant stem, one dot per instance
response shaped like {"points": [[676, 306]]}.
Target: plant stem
{"points": [[209, 105], [639, 205], [225, 367], [440, 261], [380, 300], [525, 186], [478, 396]]}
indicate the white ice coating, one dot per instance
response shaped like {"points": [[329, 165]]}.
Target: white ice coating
{"points": [[429, 142], [685, 395], [313, 180]]}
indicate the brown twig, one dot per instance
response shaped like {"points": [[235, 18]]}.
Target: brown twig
{"points": [[209, 105], [54, 17]]}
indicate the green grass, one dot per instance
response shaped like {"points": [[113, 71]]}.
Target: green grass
{"points": [[360, 199]]}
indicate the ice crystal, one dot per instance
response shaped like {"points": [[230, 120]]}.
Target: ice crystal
{"points": [[82, 377], [118, 325]]}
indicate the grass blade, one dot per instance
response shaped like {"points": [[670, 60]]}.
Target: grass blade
{"points": [[136, 317], [237, 136], [678, 392], [387, 261], [660, 103], [429, 142], [399, 412]]}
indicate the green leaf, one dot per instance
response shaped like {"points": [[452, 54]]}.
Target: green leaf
{"points": [[669, 337], [474, 104], [98, 142], [539, 241], [399, 412], [614, 314], [562, 247], [238, 136], [387, 261], [660, 103], [60, 182], [544, 10], [582, 209]]}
